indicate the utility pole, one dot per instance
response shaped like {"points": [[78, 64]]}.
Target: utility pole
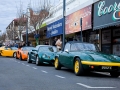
{"points": [[64, 12], [27, 27], [81, 30]]}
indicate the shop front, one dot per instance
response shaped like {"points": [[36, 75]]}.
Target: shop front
{"points": [[54, 29], [106, 20], [72, 24]]}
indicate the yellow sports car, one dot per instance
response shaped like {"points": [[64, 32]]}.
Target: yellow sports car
{"points": [[8, 51], [1, 48]]}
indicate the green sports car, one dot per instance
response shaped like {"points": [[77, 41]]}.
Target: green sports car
{"points": [[42, 54], [82, 57]]}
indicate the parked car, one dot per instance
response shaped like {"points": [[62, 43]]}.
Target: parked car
{"points": [[41, 54], [22, 53], [82, 57], [8, 51]]}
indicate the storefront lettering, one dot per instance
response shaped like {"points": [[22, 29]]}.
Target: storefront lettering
{"points": [[102, 10], [54, 32], [54, 26]]}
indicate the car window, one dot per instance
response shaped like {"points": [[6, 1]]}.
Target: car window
{"points": [[83, 47], [37, 47], [14, 48], [27, 48], [47, 49], [67, 47], [73, 47]]}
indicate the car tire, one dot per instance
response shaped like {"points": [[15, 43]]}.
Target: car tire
{"points": [[57, 64], [78, 69], [14, 55], [28, 59], [38, 62], [114, 74]]}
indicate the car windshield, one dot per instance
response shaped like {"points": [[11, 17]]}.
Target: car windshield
{"points": [[83, 47], [48, 49], [14, 48], [27, 48]]}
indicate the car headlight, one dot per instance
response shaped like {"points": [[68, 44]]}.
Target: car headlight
{"points": [[45, 56]]}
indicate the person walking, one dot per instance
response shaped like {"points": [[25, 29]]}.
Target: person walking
{"points": [[59, 44]]}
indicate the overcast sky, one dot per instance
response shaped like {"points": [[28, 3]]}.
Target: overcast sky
{"points": [[8, 10]]}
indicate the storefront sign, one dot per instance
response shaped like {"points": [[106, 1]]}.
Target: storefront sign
{"points": [[72, 23], [55, 28], [106, 13]]}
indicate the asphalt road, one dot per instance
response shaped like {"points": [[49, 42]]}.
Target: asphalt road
{"points": [[20, 75]]}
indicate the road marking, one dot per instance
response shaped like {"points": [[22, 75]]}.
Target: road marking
{"points": [[92, 87], [34, 68], [59, 76], [28, 65], [44, 71], [23, 64]]}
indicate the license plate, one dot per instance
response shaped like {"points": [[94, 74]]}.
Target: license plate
{"points": [[106, 67]]}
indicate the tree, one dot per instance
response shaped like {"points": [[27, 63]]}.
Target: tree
{"points": [[38, 15], [3, 37], [21, 21]]}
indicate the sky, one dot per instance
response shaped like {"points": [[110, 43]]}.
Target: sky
{"points": [[8, 10]]}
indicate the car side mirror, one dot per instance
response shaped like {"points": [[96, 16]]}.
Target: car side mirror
{"points": [[67, 50]]}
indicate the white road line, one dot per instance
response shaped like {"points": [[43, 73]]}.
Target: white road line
{"points": [[28, 65], [23, 64], [34, 68], [59, 76], [44, 71], [86, 86]]}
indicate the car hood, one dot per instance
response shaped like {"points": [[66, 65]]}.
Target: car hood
{"points": [[99, 57]]}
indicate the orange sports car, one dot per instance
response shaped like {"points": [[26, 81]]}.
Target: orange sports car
{"points": [[22, 53]]}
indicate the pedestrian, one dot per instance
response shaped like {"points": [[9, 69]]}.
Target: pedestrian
{"points": [[59, 44], [54, 41]]}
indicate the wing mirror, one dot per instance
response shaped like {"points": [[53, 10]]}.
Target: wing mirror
{"points": [[67, 50]]}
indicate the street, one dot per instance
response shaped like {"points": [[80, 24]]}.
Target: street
{"points": [[20, 75]]}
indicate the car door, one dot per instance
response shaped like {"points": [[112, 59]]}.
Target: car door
{"points": [[7, 52], [65, 55]]}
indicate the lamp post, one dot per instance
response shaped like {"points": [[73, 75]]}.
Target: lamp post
{"points": [[63, 41]]}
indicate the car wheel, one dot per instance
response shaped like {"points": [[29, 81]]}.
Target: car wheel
{"points": [[38, 61], [114, 74], [57, 64], [14, 54], [28, 59], [78, 69]]}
